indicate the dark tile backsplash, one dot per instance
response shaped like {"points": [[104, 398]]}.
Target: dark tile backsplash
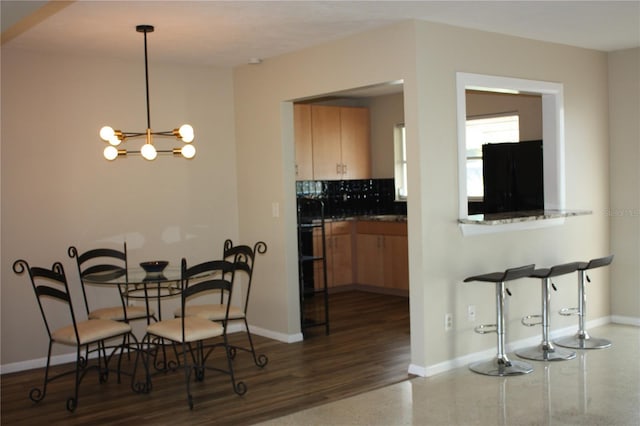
{"points": [[353, 197]]}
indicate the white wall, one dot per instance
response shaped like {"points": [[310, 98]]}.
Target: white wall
{"points": [[440, 257], [624, 116], [58, 190]]}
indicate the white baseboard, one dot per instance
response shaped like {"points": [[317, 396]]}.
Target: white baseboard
{"points": [[281, 337], [414, 369], [431, 370], [619, 319]]}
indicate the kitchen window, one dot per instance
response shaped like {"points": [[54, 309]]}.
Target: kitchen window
{"points": [[400, 155], [480, 131]]}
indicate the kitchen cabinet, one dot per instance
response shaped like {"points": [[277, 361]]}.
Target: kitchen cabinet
{"points": [[339, 258], [355, 143], [303, 142], [339, 140], [382, 254]]}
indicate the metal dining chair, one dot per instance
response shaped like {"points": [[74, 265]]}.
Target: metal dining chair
{"points": [[112, 262], [244, 258], [50, 285], [194, 332], [245, 262]]}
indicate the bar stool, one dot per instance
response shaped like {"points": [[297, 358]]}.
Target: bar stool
{"points": [[501, 365], [582, 340], [546, 351]]}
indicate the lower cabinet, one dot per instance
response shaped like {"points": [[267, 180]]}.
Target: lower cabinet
{"points": [[382, 255], [369, 253], [338, 253]]}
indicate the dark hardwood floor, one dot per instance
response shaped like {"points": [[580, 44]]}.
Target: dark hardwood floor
{"points": [[368, 348]]}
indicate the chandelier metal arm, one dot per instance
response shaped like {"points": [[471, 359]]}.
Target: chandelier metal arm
{"points": [[145, 29]]}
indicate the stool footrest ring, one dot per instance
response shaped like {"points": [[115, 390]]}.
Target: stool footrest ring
{"points": [[567, 312], [526, 320], [486, 328]]}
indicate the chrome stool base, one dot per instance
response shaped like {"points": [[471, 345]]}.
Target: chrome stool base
{"points": [[498, 367], [542, 353], [582, 342]]}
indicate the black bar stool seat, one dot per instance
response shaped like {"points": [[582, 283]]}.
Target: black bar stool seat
{"points": [[546, 351], [501, 365], [582, 339]]}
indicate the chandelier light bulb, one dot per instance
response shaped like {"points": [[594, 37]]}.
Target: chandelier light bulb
{"points": [[186, 133], [149, 152], [107, 133], [110, 153], [115, 140], [188, 151]]}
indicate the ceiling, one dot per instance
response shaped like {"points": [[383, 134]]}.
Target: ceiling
{"points": [[231, 33]]}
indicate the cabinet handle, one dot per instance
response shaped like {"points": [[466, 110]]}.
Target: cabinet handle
{"points": [[344, 169], [296, 170], [338, 169]]}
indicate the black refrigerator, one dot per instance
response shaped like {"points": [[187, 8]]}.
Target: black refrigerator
{"points": [[513, 176]]}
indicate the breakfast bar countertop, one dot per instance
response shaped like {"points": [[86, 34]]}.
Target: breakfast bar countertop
{"points": [[522, 216]]}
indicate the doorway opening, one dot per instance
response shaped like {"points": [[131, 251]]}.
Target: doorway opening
{"points": [[365, 247]]}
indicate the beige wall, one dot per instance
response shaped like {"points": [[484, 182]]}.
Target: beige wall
{"points": [[528, 107], [264, 130], [385, 112], [58, 190], [449, 257], [173, 208], [624, 131], [440, 257]]}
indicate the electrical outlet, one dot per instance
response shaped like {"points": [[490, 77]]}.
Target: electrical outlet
{"points": [[471, 313], [448, 322]]}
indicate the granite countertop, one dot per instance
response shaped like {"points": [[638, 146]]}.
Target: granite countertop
{"points": [[523, 216], [374, 218]]}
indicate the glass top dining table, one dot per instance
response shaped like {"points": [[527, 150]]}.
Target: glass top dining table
{"points": [[136, 283]]}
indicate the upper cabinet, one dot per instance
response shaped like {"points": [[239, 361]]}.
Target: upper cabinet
{"points": [[355, 143], [339, 140]]}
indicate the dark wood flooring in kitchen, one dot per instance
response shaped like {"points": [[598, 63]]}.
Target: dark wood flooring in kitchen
{"points": [[368, 348]]}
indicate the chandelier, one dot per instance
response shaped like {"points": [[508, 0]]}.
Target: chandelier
{"points": [[148, 151]]}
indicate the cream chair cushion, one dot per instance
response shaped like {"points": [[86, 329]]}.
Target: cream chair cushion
{"points": [[194, 329], [90, 331], [211, 312], [115, 313]]}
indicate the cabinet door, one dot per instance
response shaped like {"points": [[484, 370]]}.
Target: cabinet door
{"points": [[396, 262], [302, 138], [341, 260], [355, 143], [370, 260], [325, 131]]}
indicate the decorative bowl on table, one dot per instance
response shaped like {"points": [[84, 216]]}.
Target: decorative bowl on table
{"points": [[154, 266]]}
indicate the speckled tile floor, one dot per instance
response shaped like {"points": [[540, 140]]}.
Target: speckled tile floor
{"points": [[599, 387]]}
